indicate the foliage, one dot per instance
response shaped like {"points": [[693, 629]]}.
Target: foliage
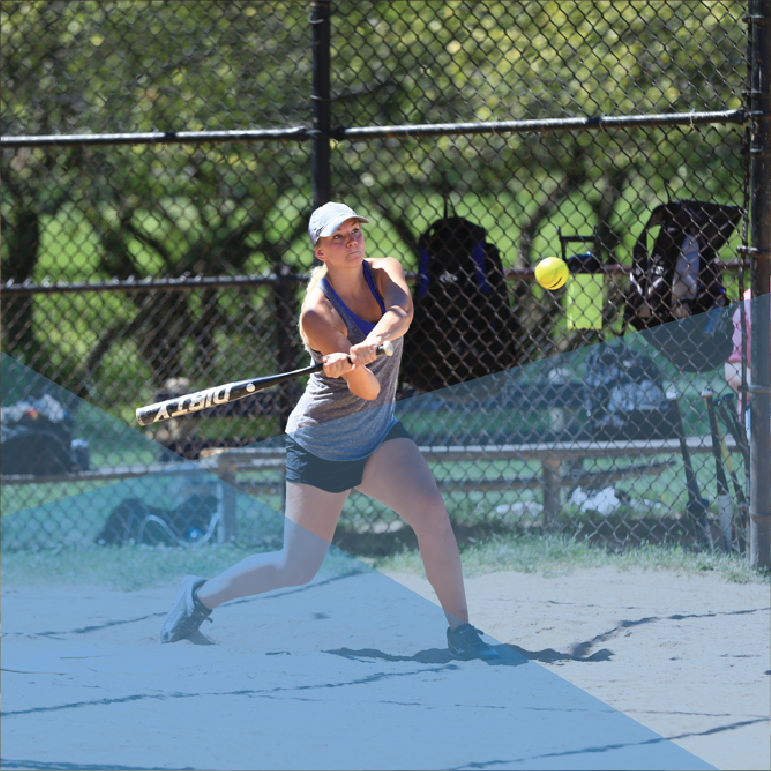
{"points": [[85, 67], [85, 213]]}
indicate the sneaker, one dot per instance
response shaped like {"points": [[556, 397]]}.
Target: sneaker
{"points": [[465, 643], [187, 613]]}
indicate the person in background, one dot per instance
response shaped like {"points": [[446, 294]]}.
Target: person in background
{"points": [[733, 365]]}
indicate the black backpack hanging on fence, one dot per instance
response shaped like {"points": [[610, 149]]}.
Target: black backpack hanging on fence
{"points": [[680, 280], [463, 327], [133, 521]]}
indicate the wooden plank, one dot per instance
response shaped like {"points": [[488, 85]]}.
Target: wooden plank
{"points": [[568, 450]]}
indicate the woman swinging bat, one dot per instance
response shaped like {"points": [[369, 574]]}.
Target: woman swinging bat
{"points": [[343, 435]]}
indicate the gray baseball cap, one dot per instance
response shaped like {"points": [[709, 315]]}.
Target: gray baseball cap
{"points": [[328, 218]]}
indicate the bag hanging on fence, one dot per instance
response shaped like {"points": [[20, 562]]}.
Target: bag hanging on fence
{"points": [[681, 279], [133, 521], [463, 327], [36, 438], [624, 395]]}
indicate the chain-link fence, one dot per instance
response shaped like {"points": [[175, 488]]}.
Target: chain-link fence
{"points": [[160, 162]]}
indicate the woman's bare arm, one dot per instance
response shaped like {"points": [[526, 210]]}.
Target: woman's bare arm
{"points": [[392, 284], [326, 333]]}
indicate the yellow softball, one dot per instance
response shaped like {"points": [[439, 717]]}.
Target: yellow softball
{"points": [[551, 273]]}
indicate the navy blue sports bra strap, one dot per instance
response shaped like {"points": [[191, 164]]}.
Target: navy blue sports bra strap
{"points": [[371, 283], [364, 326]]}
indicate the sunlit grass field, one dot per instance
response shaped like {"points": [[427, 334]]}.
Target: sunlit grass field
{"points": [[132, 568]]}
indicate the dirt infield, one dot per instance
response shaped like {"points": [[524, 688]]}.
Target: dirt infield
{"points": [[685, 655], [352, 672]]}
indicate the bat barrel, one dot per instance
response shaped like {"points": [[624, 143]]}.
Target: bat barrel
{"points": [[212, 397]]}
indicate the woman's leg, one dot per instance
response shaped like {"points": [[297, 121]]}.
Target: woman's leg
{"points": [[398, 476], [310, 521]]}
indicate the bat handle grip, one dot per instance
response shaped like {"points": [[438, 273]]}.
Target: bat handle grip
{"points": [[384, 350]]}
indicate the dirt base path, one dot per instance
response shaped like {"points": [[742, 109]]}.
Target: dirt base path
{"points": [[352, 672], [685, 655]]}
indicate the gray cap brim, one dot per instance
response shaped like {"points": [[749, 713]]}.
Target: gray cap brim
{"points": [[328, 218]]}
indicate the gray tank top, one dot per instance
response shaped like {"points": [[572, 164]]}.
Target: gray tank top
{"points": [[329, 420]]}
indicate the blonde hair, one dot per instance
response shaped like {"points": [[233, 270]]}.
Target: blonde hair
{"points": [[317, 273]]}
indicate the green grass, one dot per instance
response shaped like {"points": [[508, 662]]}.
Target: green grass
{"points": [[133, 568], [556, 555]]}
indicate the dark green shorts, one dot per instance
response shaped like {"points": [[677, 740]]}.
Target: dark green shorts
{"points": [[334, 476]]}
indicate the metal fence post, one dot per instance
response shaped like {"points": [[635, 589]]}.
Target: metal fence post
{"points": [[552, 492], [760, 251], [321, 97], [227, 528]]}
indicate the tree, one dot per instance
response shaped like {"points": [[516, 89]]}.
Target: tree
{"points": [[138, 67], [87, 66]]}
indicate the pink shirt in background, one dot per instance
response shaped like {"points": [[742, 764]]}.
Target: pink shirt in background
{"points": [[737, 354]]}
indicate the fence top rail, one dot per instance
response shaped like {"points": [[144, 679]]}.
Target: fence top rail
{"points": [[298, 133], [303, 133], [186, 283], [132, 284], [600, 122]]}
